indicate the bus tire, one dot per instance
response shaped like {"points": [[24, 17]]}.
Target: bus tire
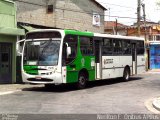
{"points": [[126, 74], [82, 80]]}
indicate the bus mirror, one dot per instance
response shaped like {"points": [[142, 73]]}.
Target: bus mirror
{"points": [[19, 53], [68, 51], [19, 47]]}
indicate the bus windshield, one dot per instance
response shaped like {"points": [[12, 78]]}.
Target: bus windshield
{"points": [[41, 53]]}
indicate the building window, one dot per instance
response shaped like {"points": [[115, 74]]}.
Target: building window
{"points": [[158, 38], [50, 9]]}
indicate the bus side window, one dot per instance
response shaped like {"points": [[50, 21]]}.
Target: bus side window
{"points": [[86, 46], [140, 47], [69, 41], [126, 45], [107, 47], [117, 46]]}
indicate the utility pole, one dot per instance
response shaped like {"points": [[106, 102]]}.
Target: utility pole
{"points": [[145, 36], [116, 26], [138, 17], [144, 17], [109, 10]]}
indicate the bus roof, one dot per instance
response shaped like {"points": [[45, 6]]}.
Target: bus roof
{"points": [[76, 32], [71, 32], [118, 36]]}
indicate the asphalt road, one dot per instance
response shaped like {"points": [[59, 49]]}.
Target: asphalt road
{"points": [[109, 96]]}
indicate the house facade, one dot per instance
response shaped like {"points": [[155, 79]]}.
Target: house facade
{"points": [[113, 28], [63, 14], [8, 37], [153, 41]]}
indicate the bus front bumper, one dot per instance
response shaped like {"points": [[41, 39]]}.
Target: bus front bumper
{"points": [[55, 78]]}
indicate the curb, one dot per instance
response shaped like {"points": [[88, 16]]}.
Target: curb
{"points": [[156, 103]]}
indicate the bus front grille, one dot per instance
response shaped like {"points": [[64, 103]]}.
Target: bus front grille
{"points": [[40, 80]]}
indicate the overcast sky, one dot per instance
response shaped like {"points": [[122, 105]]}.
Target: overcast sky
{"points": [[128, 9]]}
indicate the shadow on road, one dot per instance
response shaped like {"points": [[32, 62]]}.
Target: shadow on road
{"points": [[71, 87]]}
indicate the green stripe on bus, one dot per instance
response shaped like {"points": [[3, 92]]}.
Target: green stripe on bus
{"points": [[32, 70], [74, 32]]}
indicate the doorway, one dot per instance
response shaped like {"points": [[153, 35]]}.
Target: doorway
{"points": [[5, 63]]}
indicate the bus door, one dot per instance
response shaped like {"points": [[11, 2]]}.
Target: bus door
{"points": [[134, 59], [98, 57]]}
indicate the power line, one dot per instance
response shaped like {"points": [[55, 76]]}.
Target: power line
{"points": [[88, 12], [120, 17], [117, 5], [121, 10]]}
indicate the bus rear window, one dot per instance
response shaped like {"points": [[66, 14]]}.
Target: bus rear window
{"points": [[41, 35]]}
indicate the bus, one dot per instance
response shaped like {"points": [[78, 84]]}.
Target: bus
{"points": [[54, 56]]}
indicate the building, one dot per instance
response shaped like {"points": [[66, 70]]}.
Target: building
{"points": [[113, 28], [153, 41], [63, 14], [8, 37]]}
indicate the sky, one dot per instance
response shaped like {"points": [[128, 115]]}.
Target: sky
{"points": [[125, 11]]}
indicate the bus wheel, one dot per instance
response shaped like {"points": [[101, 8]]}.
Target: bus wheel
{"points": [[126, 74], [82, 80]]}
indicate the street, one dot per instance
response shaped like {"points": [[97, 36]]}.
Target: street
{"points": [[109, 96]]}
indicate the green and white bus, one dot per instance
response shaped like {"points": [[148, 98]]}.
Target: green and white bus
{"points": [[55, 56]]}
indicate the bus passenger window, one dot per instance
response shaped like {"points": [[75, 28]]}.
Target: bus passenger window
{"points": [[72, 42], [107, 48], [140, 47], [117, 46], [126, 45], [86, 46]]}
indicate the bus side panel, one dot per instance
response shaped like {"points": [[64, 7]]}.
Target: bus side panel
{"points": [[140, 64], [113, 66], [89, 65], [72, 76], [125, 61], [80, 63], [110, 66]]}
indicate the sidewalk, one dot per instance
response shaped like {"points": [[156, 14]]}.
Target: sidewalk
{"points": [[156, 103], [154, 71], [11, 88]]}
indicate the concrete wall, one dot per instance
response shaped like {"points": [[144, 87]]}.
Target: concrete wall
{"points": [[7, 14], [68, 14]]}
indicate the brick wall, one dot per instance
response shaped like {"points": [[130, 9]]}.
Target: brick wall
{"points": [[67, 14]]}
